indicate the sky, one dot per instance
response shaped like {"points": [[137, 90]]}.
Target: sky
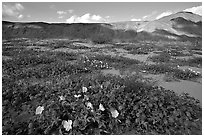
{"points": [[92, 12]]}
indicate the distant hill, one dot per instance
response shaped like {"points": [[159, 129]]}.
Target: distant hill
{"points": [[179, 26], [128, 25], [62, 30], [176, 24]]}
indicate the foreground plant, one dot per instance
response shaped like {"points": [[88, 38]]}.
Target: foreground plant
{"points": [[121, 106]]}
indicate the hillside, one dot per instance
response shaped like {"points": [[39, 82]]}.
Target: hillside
{"points": [[169, 24], [182, 25], [128, 25], [61, 30]]}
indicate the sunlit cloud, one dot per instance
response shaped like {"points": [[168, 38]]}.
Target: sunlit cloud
{"points": [[149, 16], [20, 16], [61, 12], [70, 11], [52, 7], [166, 13], [13, 11], [195, 10], [86, 18], [136, 20]]}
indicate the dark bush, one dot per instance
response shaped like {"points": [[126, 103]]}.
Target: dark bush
{"points": [[163, 57], [101, 39]]}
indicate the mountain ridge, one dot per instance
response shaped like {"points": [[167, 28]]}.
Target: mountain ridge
{"points": [[180, 24]]}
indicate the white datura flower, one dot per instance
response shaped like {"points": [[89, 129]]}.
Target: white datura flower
{"points": [[89, 105], [77, 96], [114, 113], [86, 97], [101, 107], [39, 110], [67, 124], [84, 89], [62, 98]]}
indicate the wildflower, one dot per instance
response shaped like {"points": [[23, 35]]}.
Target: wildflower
{"points": [[114, 113], [86, 97], [89, 105], [84, 89], [77, 96], [62, 98], [101, 107], [67, 124], [39, 110]]}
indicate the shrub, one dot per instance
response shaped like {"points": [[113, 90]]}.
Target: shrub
{"points": [[163, 57], [101, 39], [158, 68], [185, 75], [197, 61]]}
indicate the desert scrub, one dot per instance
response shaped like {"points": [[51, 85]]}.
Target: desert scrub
{"points": [[196, 61], [101, 39], [176, 53], [62, 55], [159, 68], [93, 63], [51, 70], [117, 61], [193, 62], [97, 104], [172, 71], [185, 74], [138, 52], [162, 57]]}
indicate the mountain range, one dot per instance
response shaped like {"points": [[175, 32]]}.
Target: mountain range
{"points": [[181, 24]]}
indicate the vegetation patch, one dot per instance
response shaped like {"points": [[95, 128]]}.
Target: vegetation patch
{"points": [[169, 70], [70, 97], [162, 57], [98, 105]]}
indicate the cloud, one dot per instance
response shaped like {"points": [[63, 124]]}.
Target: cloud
{"points": [[20, 16], [96, 17], [19, 6], [195, 10], [136, 20], [149, 16], [86, 18], [70, 11], [52, 7], [61, 12], [60, 17], [144, 17], [13, 11], [166, 13], [107, 17]]}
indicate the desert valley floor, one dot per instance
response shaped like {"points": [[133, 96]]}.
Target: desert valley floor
{"points": [[144, 87]]}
